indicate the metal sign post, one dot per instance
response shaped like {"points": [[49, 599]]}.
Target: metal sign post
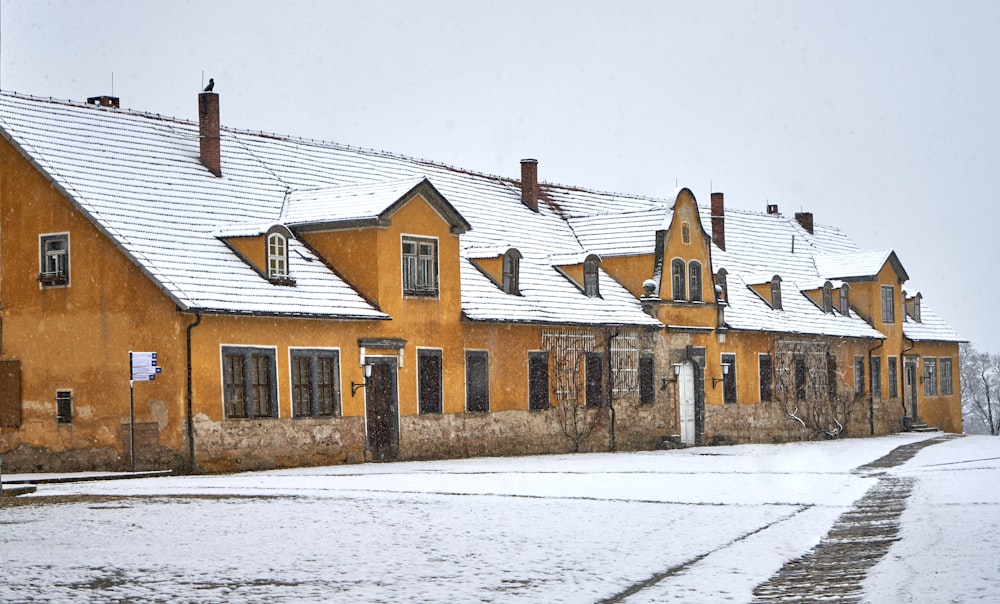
{"points": [[143, 369]]}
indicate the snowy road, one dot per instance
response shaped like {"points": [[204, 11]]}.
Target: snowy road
{"points": [[697, 525]]}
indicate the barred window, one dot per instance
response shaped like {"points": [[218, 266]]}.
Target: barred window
{"points": [[538, 381], [595, 379], [249, 384], [930, 377], [647, 380], [945, 370], [315, 383], [766, 378]]}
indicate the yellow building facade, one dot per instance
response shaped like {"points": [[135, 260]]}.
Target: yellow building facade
{"points": [[373, 307]]}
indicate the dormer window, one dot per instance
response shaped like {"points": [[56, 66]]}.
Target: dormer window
{"points": [[694, 276], [420, 274], [677, 278], [590, 282], [511, 272], [776, 292], [845, 300], [721, 285], [277, 256], [828, 297], [916, 307]]}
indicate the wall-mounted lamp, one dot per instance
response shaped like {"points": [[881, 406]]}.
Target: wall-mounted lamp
{"points": [[677, 371], [725, 372], [355, 386], [929, 373]]}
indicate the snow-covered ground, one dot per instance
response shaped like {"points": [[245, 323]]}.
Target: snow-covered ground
{"points": [[694, 525]]}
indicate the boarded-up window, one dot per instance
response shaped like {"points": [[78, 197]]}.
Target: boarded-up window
{"points": [[538, 381], [647, 380], [766, 377], [249, 383], [477, 381], [429, 380], [595, 379], [315, 383], [10, 394]]}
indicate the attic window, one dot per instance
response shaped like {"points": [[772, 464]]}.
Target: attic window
{"points": [[722, 285], [590, 283], [845, 300], [916, 308], [511, 272], [694, 276], [420, 267], [776, 292], [53, 259], [277, 257], [827, 297]]}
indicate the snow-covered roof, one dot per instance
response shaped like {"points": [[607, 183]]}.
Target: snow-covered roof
{"points": [[931, 328], [138, 177]]}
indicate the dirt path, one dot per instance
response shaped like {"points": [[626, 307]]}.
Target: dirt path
{"points": [[834, 570]]}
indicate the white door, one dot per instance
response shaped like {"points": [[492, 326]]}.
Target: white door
{"points": [[685, 388]]}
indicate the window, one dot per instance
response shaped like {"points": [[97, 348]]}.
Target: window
{"points": [[827, 297], [477, 381], [277, 256], [538, 381], [930, 377], [694, 274], [429, 380], [677, 278], [876, 371], [722, 285], [859, 376], [595, 379], [832, 377], [511, 272], [647, 380], [945, 370], [53, 259], [590, 284], [315, 383], [845, 300], [729, 378], [776, 293], [249, 384], [420, 275], [892, 370], [766, 378], [800, 378], [64, 406], [888, 304], [916, 308]]}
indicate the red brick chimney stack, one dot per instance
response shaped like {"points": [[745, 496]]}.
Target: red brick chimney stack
{"points": [[806, 220], [719, 220], [208, 131], [529, 183]]}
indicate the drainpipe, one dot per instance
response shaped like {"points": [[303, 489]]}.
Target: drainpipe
{"points": [[871, 390], [190, 396], [611, 391]]}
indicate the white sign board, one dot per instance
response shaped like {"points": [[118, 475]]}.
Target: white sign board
{"points": [[144, 366]]}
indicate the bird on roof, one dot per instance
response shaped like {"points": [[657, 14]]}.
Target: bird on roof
{"points": [[211, 85]]}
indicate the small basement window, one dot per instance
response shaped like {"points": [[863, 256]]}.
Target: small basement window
{"points": [[64, 406]]}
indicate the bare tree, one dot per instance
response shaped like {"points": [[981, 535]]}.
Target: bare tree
{"points": [[980, 391], [810, 389], [569, 354]]}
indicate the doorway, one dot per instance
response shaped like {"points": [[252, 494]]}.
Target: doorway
{"points": [[910, 388], [686, 403], [382, 409]]}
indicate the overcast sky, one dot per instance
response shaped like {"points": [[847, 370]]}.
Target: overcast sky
{"points": [[880, 118]]}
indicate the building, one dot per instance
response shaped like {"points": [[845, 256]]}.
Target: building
{"points": [[312, 303]]}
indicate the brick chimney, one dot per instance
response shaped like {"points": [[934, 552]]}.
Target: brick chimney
{"points": [[772, 209], [103, 101], [529, 183], [719, 220], [806, 220], [208, 132]]}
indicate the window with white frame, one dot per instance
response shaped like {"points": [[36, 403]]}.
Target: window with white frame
{"points": [[420, 266], [694, 281], [53, 259], [277, 256]]}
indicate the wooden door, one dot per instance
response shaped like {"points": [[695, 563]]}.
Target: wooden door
{"points": [[382, 411], [685, 390]]}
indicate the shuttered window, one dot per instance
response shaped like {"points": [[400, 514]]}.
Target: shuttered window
{"points": [[315, 382], [429, 380], [249, 382]]}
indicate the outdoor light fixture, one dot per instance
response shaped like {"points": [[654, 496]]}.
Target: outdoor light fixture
{"points": [[725, 372], [355, 386], [929, 374], [677, 371]]}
